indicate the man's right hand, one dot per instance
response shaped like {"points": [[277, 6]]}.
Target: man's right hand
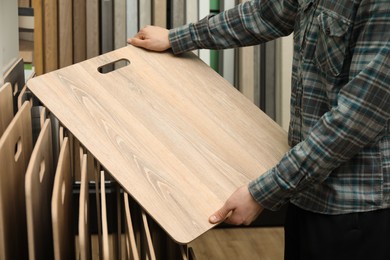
{"points": [[152, 38]]}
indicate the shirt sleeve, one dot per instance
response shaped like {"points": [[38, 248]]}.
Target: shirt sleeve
{"points": [[360, 118], [250, 23]]}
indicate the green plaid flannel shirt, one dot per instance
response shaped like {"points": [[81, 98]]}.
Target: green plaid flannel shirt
{"points": [[339, 132]]}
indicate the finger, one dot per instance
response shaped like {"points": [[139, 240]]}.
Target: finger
{"points": [[220, 215], [137, 42]]}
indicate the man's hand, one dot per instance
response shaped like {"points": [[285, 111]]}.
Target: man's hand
{"points": [[153, 38], [240, 208]]}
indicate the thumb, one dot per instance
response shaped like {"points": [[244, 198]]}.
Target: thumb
{"points": [[136, 42], [220, 215]]}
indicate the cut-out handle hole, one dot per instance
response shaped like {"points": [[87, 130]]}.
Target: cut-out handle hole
{"points": [[18, 149], [113, 66]]}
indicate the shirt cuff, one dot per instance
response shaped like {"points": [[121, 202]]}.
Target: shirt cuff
{"points": [[267, 192], [181, 40]]}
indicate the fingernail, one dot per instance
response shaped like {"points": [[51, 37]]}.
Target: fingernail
{"points": [[213, 219]]}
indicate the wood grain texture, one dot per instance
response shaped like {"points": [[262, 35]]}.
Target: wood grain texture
{"points": [[6, 107], [15, 152], [39, 184], [61, 206], [176, 135]]}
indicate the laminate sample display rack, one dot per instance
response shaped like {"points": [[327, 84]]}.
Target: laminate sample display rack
{"points": [[172, 132]]}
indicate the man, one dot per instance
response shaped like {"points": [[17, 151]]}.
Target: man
{"points": [[336, 175]]}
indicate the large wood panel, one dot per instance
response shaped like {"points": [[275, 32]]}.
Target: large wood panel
{"points": [[15, 152], [176, 135], [84, 212], [61, 207], [39, 186]]}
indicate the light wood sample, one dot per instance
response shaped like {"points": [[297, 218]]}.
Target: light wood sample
{"points": [[50, 35], [105, 253], [132, 251], [61, 206], [84, 234], [92, 28], [176, 135], [15, 152], [38, 36], [65, 32], [39, 186], [79, 30], [6, 106]]}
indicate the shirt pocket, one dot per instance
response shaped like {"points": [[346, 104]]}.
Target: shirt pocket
{"points": [[332, 43]]}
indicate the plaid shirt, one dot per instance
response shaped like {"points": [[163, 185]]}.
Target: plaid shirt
{"points": [[340, 102]]}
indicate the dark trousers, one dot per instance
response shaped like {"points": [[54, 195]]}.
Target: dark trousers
{"points": [[353, 236]]}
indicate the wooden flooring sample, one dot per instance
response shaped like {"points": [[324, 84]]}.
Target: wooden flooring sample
{"points": [[38, 36], [61, 206], [65, 32], [15, 152], [84, 234], [132, 252], [6, 107], [92, 28], [176, 135], [39, 186], [50, 35]]}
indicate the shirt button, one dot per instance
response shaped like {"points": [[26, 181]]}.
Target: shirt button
{"points": [[297, 112]]}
